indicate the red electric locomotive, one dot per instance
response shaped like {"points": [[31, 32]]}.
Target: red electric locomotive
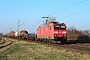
{"points": [[52, 32]]}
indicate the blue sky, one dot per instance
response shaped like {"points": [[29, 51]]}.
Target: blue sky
{"points": [[32, 10]]}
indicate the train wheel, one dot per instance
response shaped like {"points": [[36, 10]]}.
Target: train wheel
{"points": [[46, 40], [63, 41], [37, 39], [49, 41], [41, 40], [26, 38], [34, 39]]}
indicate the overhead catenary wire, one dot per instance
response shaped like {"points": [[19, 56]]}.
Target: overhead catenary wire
{"points": [[70, 6], [75, 13], [22, 23]]}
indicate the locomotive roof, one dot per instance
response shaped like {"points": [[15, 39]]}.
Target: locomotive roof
{"points": [[54, 22], [49, 23]]}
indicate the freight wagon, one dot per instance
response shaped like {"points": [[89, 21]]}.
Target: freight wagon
{"points": [[20, 34], [11, 35], [30, 36], [17, 35]]}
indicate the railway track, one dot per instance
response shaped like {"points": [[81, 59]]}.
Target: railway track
{"points": [[82, 48], [5, 43]]}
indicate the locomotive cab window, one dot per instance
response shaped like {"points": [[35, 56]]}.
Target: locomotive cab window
{"points": [[59, 27], [56, 27], [62, 27]]}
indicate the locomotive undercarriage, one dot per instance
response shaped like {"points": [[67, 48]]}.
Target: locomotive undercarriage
{"points": [[61, 40]]}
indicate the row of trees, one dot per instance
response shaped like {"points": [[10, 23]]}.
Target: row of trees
{"points": [[1, 34], [73, 33]]}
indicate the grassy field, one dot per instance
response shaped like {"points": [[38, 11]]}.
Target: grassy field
{"points": [[36, 51]]}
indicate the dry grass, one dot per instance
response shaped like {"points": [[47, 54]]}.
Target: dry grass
{"points": [[35, 51], [0, 39]]}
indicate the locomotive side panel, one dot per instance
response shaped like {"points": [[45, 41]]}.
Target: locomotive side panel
{"points": [[51, 31], [46, 32]]}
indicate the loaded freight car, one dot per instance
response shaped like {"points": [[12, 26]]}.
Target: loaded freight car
{"points": [[11, 35], [20, 34], [16, 34], [52, 32], [30, 36]]}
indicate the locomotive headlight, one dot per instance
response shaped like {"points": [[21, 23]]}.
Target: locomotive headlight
{"points": [[55, 32], [55, 35], [63, 32]]}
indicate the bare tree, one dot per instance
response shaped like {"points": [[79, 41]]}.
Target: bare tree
{"points": [[12, 32], [1, 34], [72, 28], [73, 33]]}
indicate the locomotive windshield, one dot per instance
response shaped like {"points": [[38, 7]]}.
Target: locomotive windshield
{"points": [[62, 27], [59, 27], [56, 27]]}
